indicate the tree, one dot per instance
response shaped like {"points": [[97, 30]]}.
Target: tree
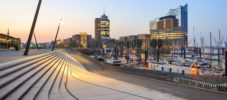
{"points": [[156, 44], [138, 43], [128, 43], [138, 47], [153, 43], [120, 45]]}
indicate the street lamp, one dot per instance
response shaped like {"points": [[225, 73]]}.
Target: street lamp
{"points": [[59, 25], [7, 40], [37, 46], [32, 29]]}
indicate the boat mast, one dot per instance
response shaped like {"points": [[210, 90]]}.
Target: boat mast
{"points": [[210, 49], [194, 37], [202, 45], [219, 46]]}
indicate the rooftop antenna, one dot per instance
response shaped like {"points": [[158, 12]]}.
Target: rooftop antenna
{"points": [[37, 46], [8, 39], [210, 49], [219, 46], [194, 37], [202, 44], [8, 32], [104, 10]]}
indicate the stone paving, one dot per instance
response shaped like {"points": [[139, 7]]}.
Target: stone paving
{"points": [[59, 76]]}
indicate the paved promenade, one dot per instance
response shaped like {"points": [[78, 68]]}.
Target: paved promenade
{"points": [[58, 76], [14, 55], [65, 75], [163, 87]]}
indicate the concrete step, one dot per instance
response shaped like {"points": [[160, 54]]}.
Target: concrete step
{"points": [[28, 75]]}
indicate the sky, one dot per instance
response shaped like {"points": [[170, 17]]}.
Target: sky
{"points": [[127, 17]]}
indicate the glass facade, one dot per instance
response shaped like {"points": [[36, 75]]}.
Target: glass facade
{"points": [[170, 40], [102, 27], [102, 31], [172, 29], [181, 14], [184, 18], [83, 39]]}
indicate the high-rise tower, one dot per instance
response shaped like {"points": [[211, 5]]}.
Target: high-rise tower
{"points": [[102, 27], [102, 30]]}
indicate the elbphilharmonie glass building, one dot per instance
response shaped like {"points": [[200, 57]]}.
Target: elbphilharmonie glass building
{"points": [[181, 14], [172, 28]]}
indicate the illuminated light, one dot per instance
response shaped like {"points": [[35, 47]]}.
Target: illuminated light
{"points": [[60, 21], [104, 46], [103, 32], [142, 56], [194, 71], [75, 74]]}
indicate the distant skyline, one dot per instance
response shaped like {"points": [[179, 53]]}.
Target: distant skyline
{"points": [[127, 17]]}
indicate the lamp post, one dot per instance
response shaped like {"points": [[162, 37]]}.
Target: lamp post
{"points": [[158, 49], [32, 29], [7, 40], [225, 63], [37, 46], [184, 47], [59, 25]]}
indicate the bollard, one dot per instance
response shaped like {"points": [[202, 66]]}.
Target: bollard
{"points": [[222, 51], [225, 63]]}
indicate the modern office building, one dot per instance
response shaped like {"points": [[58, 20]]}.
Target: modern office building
{"points": [[102, 27], [82, 40], [127, 41], [171, 29], [181, 14], [145, 40], [67, 42], [135, 44], [167, 22], [132, 41], [89, 41], [102, 31]]}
